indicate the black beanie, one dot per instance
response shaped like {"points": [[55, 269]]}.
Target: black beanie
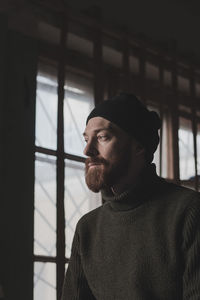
{"points": [[130, 114]]}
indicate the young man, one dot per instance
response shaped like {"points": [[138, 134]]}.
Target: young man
{"points": [[144, 241]]}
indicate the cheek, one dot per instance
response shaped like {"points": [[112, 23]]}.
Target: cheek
{"points": [[112, 153]]}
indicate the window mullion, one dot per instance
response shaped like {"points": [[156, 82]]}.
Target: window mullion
{"points": [[194, 125], [60, 161]]}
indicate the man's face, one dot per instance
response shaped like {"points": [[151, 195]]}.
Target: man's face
{"points": [[109, 151]]}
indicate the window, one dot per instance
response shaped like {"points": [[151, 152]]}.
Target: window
{"points": [[183, 84], [152, 71], [186, 152], [78, 102], [198, 154]]}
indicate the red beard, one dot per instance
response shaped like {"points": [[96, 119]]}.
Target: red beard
{"points": [[107, 173], [95, 177]]}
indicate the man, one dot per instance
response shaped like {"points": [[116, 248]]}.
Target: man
{"points": [[144, 242]]}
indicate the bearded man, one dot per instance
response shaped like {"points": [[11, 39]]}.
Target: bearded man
{"points": [[144, 241]]}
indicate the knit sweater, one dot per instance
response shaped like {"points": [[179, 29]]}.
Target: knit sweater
{"points": [[143, 244]]}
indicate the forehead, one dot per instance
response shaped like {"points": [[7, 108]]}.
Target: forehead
{"points": [[98, 123]]}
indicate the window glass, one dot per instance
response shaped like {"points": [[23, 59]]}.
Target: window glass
{"points": [[112, 54], [167, 78], [78, 103], [80, 44], [197, 89], [44, 281], [198, 151], [46, 108], [49, 33], [183, 84], [156, 159], [186, 150], [45, 205], [152, 71], [78, 199], [134, 64], [184, 108], [165, 153]]}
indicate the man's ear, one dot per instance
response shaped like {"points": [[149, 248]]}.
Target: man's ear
{"points": [[137, 147], [140, 150]]}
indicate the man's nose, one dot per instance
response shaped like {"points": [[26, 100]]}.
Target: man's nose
{"points": [[90, 149]]}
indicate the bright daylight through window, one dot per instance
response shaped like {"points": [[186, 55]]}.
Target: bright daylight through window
{"points": [[78, 200]]}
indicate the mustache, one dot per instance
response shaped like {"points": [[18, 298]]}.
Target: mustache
{"points": [[96, 160]]}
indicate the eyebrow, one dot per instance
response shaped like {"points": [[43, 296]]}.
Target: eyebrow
{"points": [[110, 128]]}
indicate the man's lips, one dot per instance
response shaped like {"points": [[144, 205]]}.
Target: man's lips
{"points": [[93, 164]]}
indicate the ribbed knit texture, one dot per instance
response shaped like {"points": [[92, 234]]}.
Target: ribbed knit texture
{"points": [[141, 245]]}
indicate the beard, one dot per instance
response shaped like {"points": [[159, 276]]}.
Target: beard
{"points": [[106, 173], [96, 176]]}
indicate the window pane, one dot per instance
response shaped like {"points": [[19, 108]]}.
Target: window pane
{"points": [[45, 205], [183, 84], [156, 159], [46, 107], [44, 281], [165, 145], [80, 44], [112, 54], [186, 150], [78, 199], [134, 64], [78, 103], [152, 71], [198, 151], [167, 78]]}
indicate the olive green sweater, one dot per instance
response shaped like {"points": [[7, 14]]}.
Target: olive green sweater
{"points": [[142, 245]]}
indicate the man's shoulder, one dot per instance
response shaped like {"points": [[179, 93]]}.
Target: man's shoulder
{"points": [[180, 194], [91, 217]]}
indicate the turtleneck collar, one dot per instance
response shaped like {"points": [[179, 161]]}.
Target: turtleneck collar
{"points": [[135, 195]]}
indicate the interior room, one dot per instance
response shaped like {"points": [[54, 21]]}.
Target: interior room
{"points": [[58, 60]]}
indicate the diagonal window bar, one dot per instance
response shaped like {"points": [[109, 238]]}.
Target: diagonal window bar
{"points": [[72, 230], [43, 280], [42, 268], [186, 147], [73, 201], [45, 219], [46, 113], [42, 246], [79, 178], [81, 183], [74, 121], [45, 191], [75, 212]]}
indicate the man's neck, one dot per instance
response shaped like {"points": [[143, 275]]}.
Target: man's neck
{"points": [[132, 180]]}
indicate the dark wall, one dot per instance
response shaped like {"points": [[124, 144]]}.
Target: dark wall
{"points": [[161, 20], [17, 102]]}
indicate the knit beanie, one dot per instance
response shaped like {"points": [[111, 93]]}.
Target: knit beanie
{"points": [[132, 116]]}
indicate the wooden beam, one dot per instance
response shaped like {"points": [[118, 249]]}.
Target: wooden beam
{"points": [[161, 108], [142, 74], [98, 63], [194, 125], [126, 84], [60, 161], [175, 124]]}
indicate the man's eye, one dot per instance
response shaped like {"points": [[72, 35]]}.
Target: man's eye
{"points": [[102, 137]]}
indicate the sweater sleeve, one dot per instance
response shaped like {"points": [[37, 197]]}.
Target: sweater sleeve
{"points": [[191, 247], [75, 285]]}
